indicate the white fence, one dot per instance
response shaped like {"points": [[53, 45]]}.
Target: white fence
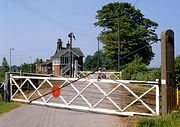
{"points": [[117, 97]]}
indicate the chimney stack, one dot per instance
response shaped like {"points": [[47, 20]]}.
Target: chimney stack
{"points": [[59, 44], [68, 45]]}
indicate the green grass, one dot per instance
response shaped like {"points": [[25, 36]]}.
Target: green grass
{"points": [[7, 106], [170, 120]]}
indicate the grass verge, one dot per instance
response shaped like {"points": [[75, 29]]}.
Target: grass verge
{"points": [[170, 120], [7, 106]]}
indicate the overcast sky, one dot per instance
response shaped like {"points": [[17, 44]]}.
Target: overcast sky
{"points": [[32, 27]]}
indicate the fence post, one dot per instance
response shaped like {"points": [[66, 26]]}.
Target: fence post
{"points": [[7, 87], [167, 71], [157, 100]]}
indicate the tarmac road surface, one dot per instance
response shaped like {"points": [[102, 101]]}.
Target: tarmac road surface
{"points": [[39, 116]]}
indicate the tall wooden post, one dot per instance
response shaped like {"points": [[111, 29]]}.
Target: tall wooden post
{"points": [[167, 71], [7, 90]]}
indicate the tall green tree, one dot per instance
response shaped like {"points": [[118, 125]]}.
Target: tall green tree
{"points": [[4, 68], [5, 64], [135, 32]]}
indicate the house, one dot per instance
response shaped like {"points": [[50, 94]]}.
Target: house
{"points": [[44, 67], [60, 61]]}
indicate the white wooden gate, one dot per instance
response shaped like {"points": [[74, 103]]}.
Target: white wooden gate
{"points": [[117, 97]]}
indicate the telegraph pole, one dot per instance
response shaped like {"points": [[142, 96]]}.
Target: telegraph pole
{"points": [[119, 46]]}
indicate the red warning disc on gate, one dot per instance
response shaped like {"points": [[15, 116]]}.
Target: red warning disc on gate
{"points": [[56, 91]]}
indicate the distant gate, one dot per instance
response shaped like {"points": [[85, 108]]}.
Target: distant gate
{"points": [[117, 97], [103, 75]]}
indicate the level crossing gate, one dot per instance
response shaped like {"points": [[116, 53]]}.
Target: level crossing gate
{"points": [[116, 97]]}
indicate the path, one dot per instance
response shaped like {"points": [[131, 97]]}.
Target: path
{"points": [[39, 116]]}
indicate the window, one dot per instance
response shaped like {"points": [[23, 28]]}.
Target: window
{"points": [[64, 60]]}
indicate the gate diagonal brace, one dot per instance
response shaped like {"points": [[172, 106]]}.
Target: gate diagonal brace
{"points": [[107, 96], [138, 98], [37, 89], [19, 88], [79, 94], [2, 84]]}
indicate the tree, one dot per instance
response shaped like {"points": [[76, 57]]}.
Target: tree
{"points": [[135, 31], [25, 67], [91, 62], [38, 61], [88, 63], [31, 68], [177, 68], [4, 68]]}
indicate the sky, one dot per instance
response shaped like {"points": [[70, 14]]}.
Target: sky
{"points": [[32, 27]]}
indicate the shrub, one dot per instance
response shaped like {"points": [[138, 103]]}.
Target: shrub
{"points": [[137, 70], [150, 75], [133, 68]]}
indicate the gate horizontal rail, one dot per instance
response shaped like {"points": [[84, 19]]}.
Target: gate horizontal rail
{"points": [[105, 96]]}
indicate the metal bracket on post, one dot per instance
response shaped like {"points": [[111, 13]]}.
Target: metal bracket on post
{"points": [[163, 81]]}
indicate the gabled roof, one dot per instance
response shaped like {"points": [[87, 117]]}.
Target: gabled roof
{"points": [[61, 52], [45, 63]]}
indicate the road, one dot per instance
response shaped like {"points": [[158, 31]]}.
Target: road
{"points": [[40, 116]]}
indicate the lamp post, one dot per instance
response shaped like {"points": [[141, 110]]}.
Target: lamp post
{"points": [[30, 64], [98, 52], [71, 35], [11, 49]]}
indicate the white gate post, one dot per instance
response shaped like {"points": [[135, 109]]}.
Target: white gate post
{"points": [[157, 100]]}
